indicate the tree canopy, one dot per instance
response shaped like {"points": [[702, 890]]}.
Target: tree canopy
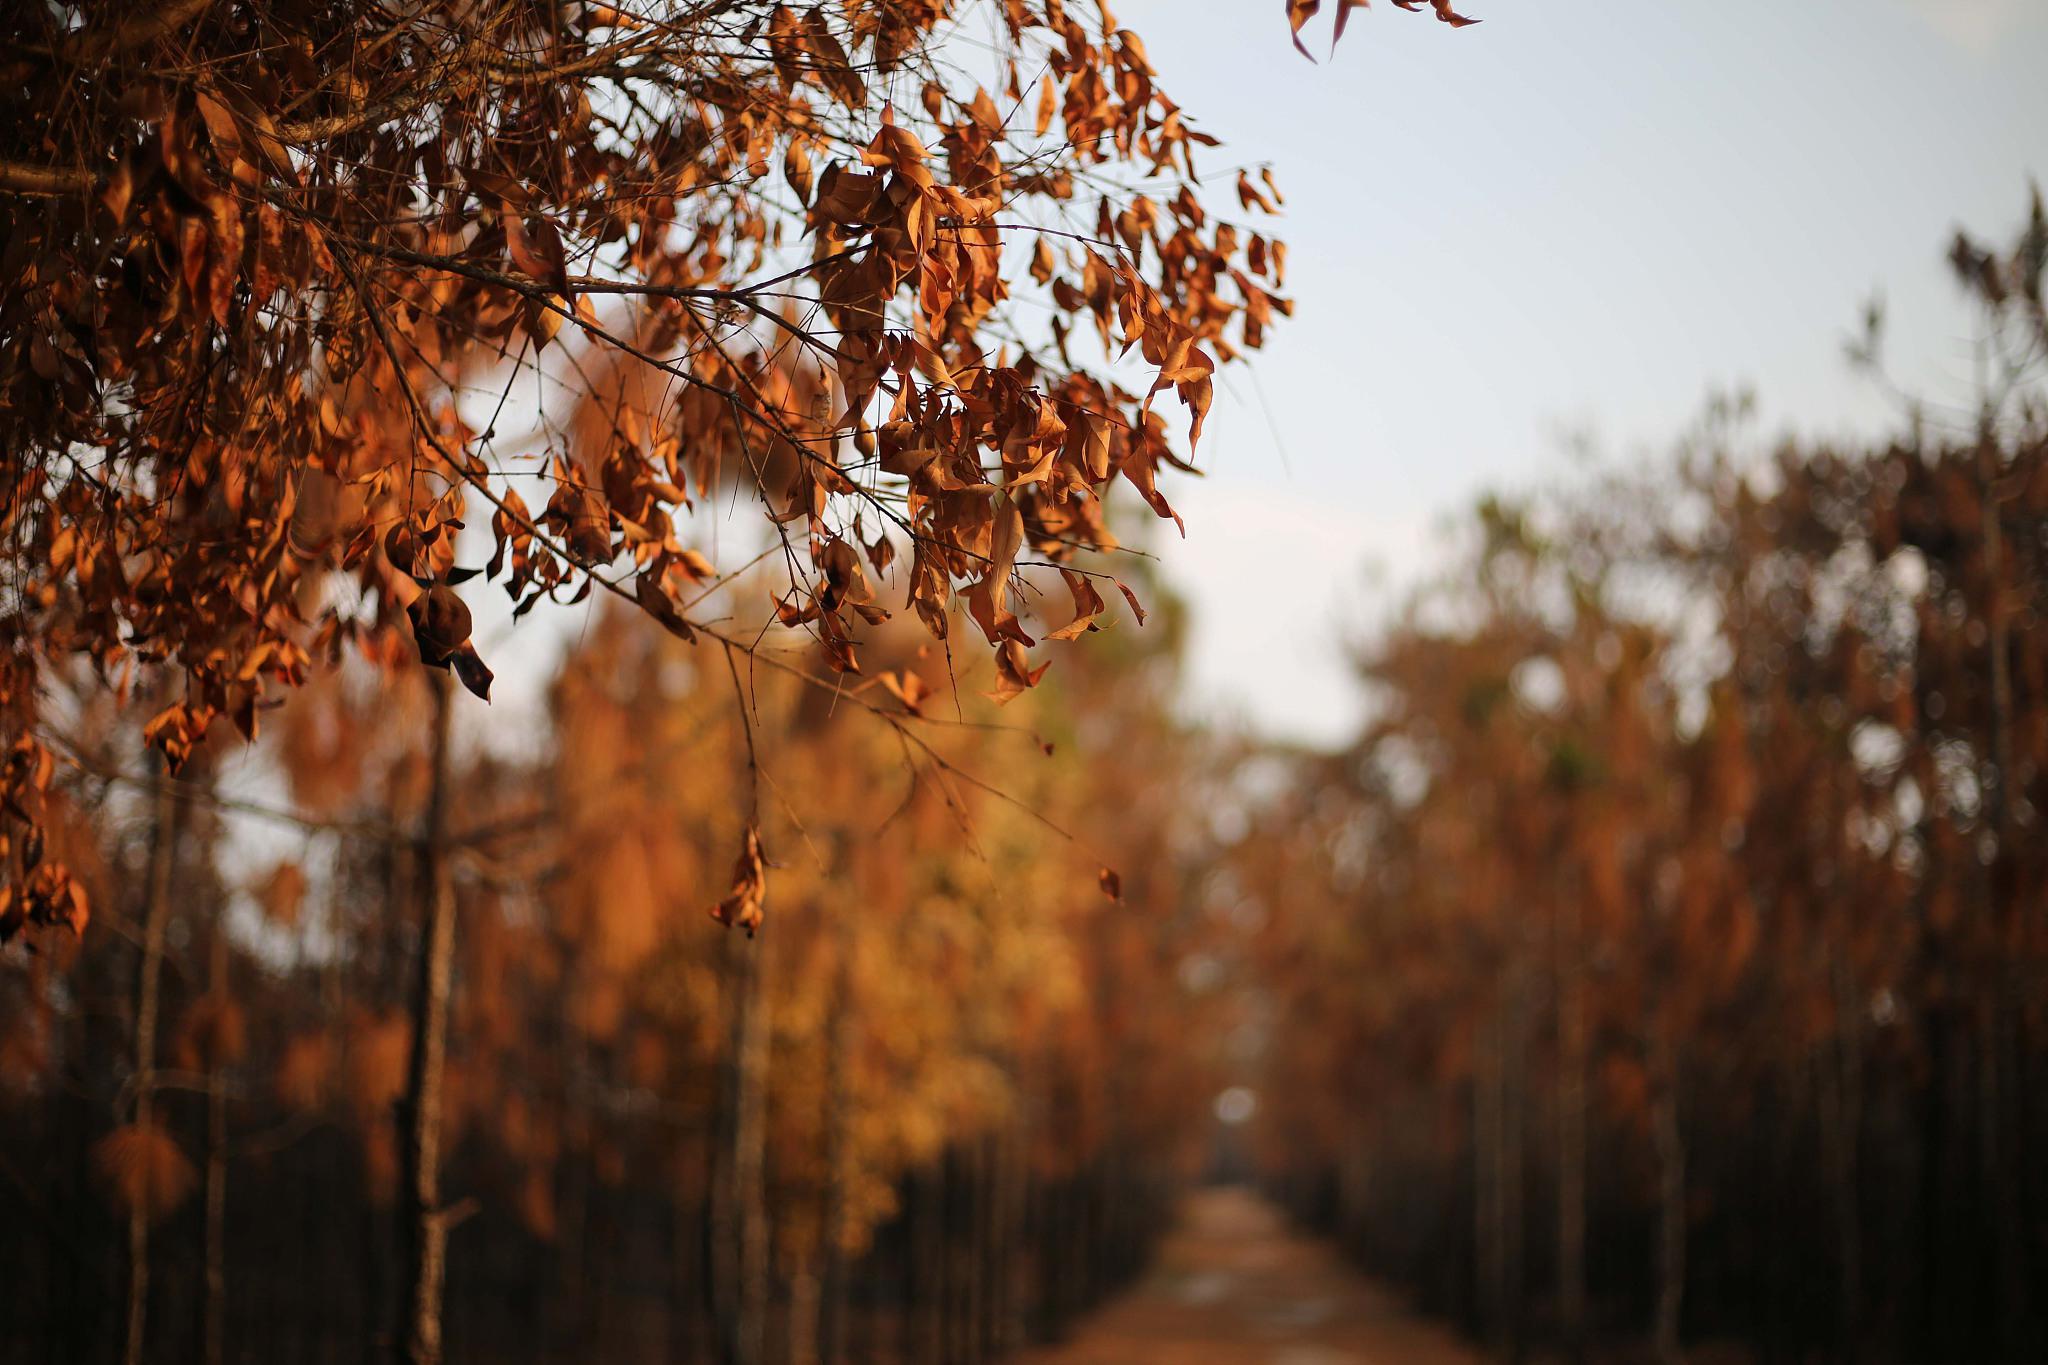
{"points": [[259, 255]]}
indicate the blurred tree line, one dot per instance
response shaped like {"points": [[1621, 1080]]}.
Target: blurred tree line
{"points": [[932, 1109], [1664, 961]]}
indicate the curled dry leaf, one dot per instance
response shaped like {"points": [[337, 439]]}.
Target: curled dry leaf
{"points": [[1299, 12], [1443, 11], [441, 626], [1112, 885], [741, 907], [1088, 605], [907, 687], [1014, 673], [1137, 607]]}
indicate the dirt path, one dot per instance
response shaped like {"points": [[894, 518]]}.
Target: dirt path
{"points": [[1235, 1286]]}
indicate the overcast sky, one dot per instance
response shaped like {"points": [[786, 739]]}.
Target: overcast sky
{"points": [[1578, 216]]}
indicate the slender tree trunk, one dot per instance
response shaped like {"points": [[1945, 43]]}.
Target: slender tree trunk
{"points": [[685, 1280], [423, 1223], [1935, 1141], [1487, 1208], [996, 1232], [955, 1260], [1498, 1151], [971, 1249], [148, 988], [213, 1336], [568, 1323], [1990, 468], [927, 1265], [838, 1107], [801, 1344], [2000, 1181], [1003, 1234], [1840, 1089], [1037, 1217], [2025, 1107], [1573, 1047], [1081, 1244], [739, 1219], [1514, 1096], [1066, 1251], [2003, 1168], [575, 1316], [1670, 1145]]}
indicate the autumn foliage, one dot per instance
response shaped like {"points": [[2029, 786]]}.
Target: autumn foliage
{"points": [[969, 1067], [1660, 963], [281, 279], [1662, 960]]}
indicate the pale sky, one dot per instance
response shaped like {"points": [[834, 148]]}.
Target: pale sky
{"points": [[1578, 216]]}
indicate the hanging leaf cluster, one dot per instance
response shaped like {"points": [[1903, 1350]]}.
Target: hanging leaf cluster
{"points": [[259, 255]]}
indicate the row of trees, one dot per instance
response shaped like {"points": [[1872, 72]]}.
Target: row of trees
{"points": [[1665, 959], [929, 1108], [320, 319]]}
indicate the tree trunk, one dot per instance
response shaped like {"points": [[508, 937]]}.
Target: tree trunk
{"points": [[1840, 1089], [800, 1346], [838, 1108], [1783, 1263], [686, 1278], [1573, 1047], [213, 1335], [2001, 1158], [1004, 1232], [968, 1251], [1514, 1097], [1936, 1140], [739, 1220], [1990, 465], [423, 1223], [1670, 1145], [2001, 1181], [1489, 1260], [1498, 1151], [924, 1304], [148, 989]]}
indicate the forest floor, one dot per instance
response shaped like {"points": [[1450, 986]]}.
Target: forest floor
{"points": [[1234, 1285]]}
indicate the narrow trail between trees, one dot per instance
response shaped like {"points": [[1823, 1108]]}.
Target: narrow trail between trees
{"points": [[1236, 1286]]}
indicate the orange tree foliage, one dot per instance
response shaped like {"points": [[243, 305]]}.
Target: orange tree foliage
{"points": [[254, 251], [942, 968], [1691, 860], [941, 979]]}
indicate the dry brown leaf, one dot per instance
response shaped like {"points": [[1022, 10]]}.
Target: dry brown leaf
{"points": [[742, 905]]}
